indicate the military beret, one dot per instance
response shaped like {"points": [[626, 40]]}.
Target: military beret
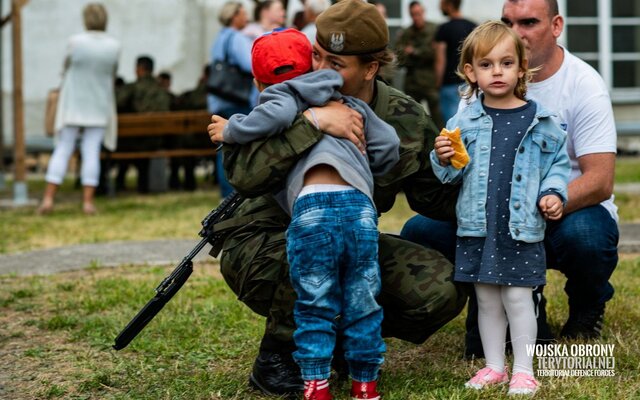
{"points": [[352, 27]]}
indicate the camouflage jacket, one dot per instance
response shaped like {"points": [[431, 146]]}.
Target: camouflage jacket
{"points": [[142, 95], [261, 167], [421, 64]]}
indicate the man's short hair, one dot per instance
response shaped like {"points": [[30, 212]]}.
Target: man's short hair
{"points": [[455, 3], [414, 3], [552, 6], [145, 62]]}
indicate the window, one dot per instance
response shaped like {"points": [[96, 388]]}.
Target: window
{"points": [[606, 34]]}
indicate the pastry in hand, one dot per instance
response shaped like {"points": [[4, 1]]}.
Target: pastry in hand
{"points": [[461, 157]]}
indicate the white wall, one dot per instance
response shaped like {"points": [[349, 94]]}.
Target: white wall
{"points": [[176, 33]]}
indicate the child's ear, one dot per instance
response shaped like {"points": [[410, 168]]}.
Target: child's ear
{"points": [[259, 85], [468, 71], [523, 67]]}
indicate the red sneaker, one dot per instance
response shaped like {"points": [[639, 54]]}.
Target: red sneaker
{"points": [[317, 390], [364, 390]]}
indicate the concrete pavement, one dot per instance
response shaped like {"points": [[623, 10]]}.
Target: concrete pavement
{"points": [[158, 252], [112, 254]]}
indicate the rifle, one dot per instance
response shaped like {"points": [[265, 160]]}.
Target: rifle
{"points": [[172, 283]]}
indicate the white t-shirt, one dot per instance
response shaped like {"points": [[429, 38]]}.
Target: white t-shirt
{"points": [[579, 96]]}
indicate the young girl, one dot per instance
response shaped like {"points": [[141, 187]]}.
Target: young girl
{"points": [[517, 178]]}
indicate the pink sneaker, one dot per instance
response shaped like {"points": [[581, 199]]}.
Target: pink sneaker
{"points": [[486, 377], [522, 383]]}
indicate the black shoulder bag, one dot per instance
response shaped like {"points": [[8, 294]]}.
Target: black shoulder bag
{"points": [[228, 81]]}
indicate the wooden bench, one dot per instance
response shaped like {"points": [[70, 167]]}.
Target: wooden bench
{"points": [[159, 124], [173, 123]]}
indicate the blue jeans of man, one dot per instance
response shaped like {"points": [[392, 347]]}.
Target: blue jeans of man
{"points": [[332, 248], [583, 246], [449, 101]]}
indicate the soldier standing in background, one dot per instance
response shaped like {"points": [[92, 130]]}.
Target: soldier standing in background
{"points": [[416, 52], [193, 99], [143, 95]]}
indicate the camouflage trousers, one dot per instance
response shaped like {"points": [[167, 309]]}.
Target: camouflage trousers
{"points": [[418, 294]]}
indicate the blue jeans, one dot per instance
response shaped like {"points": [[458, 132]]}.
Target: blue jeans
{"points": [[332, 248], [449, 101], [583, 246], [225, 186]]}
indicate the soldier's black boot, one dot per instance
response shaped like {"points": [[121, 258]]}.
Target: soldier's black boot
{"points": [[545, 336], [275, 373], [585, 323]]}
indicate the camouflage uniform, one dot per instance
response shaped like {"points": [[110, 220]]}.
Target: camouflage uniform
{"points": [[143, 95], [418, 293], [420, 81]]}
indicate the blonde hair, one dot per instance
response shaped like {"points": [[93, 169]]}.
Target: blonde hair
{"points": [[480, 42], [229, 10], [95, 17]]}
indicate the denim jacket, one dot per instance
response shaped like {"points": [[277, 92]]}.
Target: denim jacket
{"points": [[541, 165]]}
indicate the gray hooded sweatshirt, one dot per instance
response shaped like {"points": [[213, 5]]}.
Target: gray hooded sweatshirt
{"points": [[278, 107]]}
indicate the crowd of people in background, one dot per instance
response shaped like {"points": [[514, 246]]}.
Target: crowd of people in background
{"points": [[428, 65], [426, 52]]}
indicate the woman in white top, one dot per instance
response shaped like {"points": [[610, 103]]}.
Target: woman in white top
{"points": [[86, 107]]}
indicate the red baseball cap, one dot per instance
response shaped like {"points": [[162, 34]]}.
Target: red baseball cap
{"points": [[280, 55]]}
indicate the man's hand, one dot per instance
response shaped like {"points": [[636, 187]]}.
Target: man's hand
{"points": [[216, 127], [340, 121], [551, 207], [444, 151], [409, 50]]}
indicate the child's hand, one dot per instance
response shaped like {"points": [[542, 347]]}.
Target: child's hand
{"points": [[216, 127], [551, 207], [444, 151]]}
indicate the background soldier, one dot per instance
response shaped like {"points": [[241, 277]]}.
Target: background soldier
{"points": [[143, 95], [416, 52]]}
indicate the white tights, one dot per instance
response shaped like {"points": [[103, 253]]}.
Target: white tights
{"points": [[89, 149], [493, 301]]}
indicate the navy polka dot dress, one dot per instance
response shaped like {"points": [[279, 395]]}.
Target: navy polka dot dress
{"points": [[499, 259]]}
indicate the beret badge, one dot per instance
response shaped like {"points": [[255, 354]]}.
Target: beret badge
{"points": [[337, 42]]}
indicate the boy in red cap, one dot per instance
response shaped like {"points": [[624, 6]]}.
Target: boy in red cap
{"points": [[332, 240]]}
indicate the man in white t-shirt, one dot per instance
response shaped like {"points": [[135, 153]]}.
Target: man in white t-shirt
{"points": [[583, 244]]}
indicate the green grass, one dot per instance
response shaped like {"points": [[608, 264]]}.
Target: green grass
{"points": [[129, 216], [56, 331], [628, 169], [202, 345]]}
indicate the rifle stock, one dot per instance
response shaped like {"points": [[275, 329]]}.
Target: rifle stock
{"points": [[172, 283]]}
